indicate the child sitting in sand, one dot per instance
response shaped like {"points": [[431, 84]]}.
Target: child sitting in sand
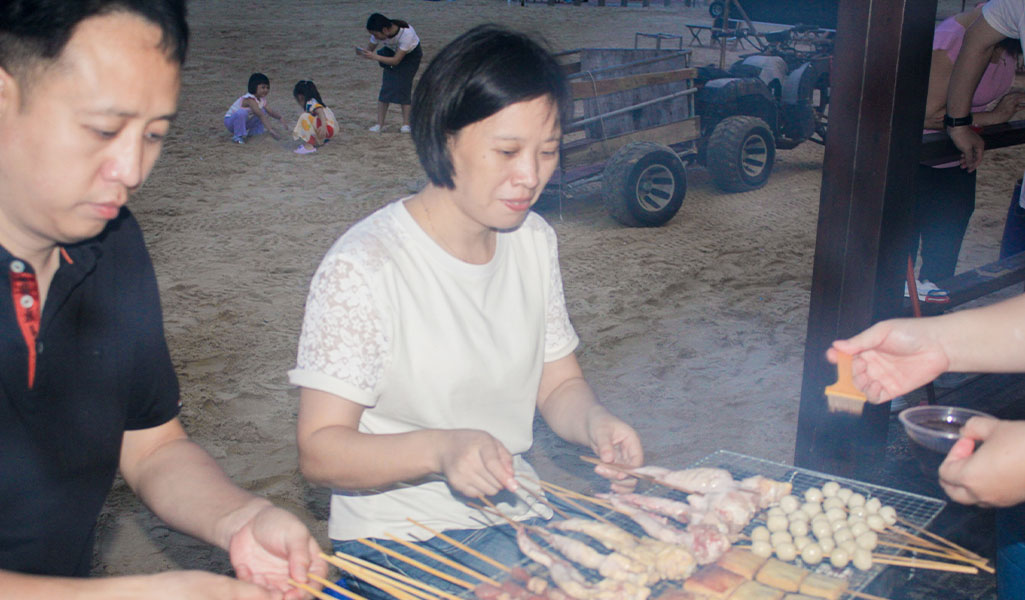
{"points": [[249, 114], [317, 124]]}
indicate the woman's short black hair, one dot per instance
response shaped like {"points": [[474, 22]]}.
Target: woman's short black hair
{"points": [[308, 90], [256, 79], [476, 75], [377, 22], [38, 30]]}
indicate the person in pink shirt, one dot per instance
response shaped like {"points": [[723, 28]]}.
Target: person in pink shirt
{"points": [[946, 194]]}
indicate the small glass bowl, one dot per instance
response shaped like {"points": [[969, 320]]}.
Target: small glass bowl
{"points": [[937, 427]]}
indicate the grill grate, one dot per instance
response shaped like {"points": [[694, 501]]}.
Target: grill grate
{"points": [[913, 508]]}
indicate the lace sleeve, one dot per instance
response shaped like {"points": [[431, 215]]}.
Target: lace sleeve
{"points": [[343, 345], [560, 338]]}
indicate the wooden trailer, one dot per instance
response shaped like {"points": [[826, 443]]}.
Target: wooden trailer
{"points": [[633, 126]]}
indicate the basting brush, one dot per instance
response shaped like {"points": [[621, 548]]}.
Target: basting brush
{"points": [[843, 396]]}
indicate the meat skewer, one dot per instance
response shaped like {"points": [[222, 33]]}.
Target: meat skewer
{"points": [[612, 566]]}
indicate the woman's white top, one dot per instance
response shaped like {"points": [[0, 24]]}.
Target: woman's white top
{"points": [[425, 340], [406, 39]]}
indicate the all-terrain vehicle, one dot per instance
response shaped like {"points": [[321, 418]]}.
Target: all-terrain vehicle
{"points": [[775, 98]]}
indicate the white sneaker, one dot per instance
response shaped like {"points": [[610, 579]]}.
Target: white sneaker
{"points": [[928, 292], [375, 129], [404, 129]]}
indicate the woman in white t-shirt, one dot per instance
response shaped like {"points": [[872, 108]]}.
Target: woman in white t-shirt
{"points": [[437, 326], [400, 60]]}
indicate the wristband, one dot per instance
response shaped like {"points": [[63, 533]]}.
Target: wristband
{"points": [[949, 121]]}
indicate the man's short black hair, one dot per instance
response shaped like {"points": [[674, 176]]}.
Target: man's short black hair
{"points": [[476, 75], [256, 79], [33, 31]]}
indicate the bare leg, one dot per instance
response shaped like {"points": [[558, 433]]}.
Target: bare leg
{"points": [[382, 111], [406, 109]]}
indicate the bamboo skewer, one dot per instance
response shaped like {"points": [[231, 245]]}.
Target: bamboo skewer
{"points": [[461, 546], [918, 563], [417, 564], [342, 560], [940, 539], [562, 492], [942, 554], [443, 560], [865, 596], [385, 580], [545, 501], [309, 589], [335, 587]]}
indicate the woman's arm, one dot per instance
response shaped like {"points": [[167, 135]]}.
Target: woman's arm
{"points": [[936, 101], [334, 453], [388, 60], [569, 406]]}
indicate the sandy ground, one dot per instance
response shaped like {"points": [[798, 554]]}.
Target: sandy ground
{"points": [[693, 332]]}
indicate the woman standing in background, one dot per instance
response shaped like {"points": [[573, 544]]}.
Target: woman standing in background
{"points": [[400, 59]]}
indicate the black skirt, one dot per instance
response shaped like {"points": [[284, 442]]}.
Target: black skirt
{"points": [[397, 81]]}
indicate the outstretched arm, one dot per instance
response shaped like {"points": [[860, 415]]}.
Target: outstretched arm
{"points": [[571, 409], [183, 485], [896, 356]]}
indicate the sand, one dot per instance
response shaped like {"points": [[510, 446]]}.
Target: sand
{"points": [[692, 332]]}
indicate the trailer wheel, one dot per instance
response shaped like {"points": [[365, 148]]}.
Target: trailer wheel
{"points": [[716, 9], [740, 154], [643, 184]]}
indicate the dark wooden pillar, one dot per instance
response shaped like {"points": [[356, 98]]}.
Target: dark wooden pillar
{"points": [[879, 79]]}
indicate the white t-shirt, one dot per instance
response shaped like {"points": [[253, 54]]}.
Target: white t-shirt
{"points": [[406, 39], [424, 340], [1006, 16], [237, 105]]}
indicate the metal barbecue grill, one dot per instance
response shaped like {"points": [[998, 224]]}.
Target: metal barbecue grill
{"points": [[913, 508]]}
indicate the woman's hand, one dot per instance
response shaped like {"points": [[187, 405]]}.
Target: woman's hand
{"points": [[893, 357], [994, 473], [475, 463], [272, 547], [613, 441]]}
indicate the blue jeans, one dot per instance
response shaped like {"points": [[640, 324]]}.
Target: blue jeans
{"points": [[1011, 552], [497, 542]]}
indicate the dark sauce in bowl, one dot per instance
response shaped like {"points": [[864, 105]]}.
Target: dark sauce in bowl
{"points": [[942, 425]]}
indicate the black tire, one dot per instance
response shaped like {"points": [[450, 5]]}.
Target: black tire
{"points": [[643, 184], [716, 9], [740, 154]]}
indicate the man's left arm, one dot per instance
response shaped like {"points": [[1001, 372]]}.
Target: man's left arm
{"points": [[186, 488]]}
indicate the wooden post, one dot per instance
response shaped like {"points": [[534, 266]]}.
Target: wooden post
{"points": [[601, 2], [645, 3], [622, 2], [879, 81]]}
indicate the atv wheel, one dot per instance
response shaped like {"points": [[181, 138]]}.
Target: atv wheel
{"points": [[643, 184], [740, 154], [716, 9]]}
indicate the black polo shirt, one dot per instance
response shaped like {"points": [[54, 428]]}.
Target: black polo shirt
{"points": [[98, 365]]}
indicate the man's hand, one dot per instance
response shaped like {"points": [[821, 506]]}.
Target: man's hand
{"points": [[272, 547], [893, 357], [992, 474]]}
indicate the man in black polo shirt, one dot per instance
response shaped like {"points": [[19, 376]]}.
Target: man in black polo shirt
{"points": [[88, 90]]}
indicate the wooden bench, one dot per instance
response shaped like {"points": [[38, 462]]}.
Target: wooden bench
{"points": [[658, 37], [976, 283]]}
